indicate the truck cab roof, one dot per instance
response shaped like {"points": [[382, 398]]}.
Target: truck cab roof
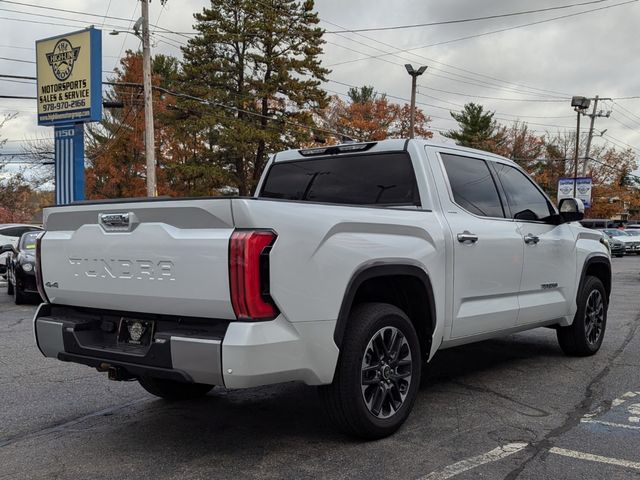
{"points": [[389, 145]]}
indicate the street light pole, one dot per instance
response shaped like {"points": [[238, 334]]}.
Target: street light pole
{"points": [[149, 138], [575, 155], [579, 104], [414, 75]]}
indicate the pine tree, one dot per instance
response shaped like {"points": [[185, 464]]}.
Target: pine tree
{"points": [[477, 128], [257, 64]]}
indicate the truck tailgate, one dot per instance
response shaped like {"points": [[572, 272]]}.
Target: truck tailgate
{"points": [[166, 257]]}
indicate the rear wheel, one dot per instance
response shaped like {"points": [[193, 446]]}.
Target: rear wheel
{"points": [[378, 374], [584, 336], [172, 390]]}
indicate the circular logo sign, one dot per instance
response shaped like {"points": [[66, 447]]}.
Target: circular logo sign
{"points": [[62, 59]]}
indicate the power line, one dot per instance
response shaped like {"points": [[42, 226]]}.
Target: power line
{"points": [[431, 60], [489, 33], [474, 81], [17, 60], [636, 117], [465, 20], [497, 98], [42, 15], [93, 15], [18, 97]]}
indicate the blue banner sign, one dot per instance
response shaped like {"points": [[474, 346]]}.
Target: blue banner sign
{"points": [[69, 163]]}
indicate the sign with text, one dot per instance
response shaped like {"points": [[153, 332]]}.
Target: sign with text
{"points": [[69, 72], [583, 189]]}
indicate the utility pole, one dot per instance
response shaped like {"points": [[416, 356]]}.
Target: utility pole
{"points": [[414, 75], [594, 113], [149, 138]]}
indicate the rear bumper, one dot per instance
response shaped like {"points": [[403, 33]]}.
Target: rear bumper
{"points": [[233, 354]]}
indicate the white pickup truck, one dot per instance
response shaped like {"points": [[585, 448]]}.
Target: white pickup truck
{"points": [[350, 268]]}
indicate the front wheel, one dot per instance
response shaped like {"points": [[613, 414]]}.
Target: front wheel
{"points": [[19, 297], [172, 390], [378, 373], [584, 336], [9, 287]]}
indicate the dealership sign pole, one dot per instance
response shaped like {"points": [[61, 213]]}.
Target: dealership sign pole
{"points": [[69, 72]]}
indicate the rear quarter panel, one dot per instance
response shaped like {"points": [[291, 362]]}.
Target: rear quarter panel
{"points": [[321, 247]]}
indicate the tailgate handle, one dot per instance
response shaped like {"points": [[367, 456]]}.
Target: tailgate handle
{"points": [[117, 221]]}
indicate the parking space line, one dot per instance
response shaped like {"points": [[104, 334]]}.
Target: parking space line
{"points": [[473, 462], [595, 458], [610, 424], [623, 398]]}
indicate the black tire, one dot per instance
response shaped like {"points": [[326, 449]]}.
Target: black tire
{"points": [[9, 287], [345, 401], [619, 256], [19, 297], [172, 390], [584, 336]]}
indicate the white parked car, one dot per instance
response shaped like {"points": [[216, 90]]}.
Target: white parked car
{"points": [[351, 267], [631, 242], [10, 233]]}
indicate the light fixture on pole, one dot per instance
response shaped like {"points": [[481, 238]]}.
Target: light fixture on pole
{"points": [[414, 74], [579, 104]]}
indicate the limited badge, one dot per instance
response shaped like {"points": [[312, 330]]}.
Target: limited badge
{"points": [[62, 59]]}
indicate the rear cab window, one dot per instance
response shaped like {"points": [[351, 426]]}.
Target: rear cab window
{"points": [[472, 185], [375, 179]]}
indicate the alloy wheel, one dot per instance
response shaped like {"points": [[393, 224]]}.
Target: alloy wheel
{"points": [[594, 317], [386, 372]]}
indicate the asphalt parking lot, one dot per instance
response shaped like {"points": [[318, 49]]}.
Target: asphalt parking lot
{"points": [[509, 408]]}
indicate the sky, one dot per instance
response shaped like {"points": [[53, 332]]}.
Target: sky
{"points": [[527, 73]]}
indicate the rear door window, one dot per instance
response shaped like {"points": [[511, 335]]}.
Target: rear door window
{"points": [[472, 185], [365, 179]]}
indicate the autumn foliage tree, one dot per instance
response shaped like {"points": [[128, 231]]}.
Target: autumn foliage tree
{"points": [[368, 116], [116, 150]]}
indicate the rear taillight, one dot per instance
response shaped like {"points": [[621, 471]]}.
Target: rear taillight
{"points": [[249, 274], [39, 281]]}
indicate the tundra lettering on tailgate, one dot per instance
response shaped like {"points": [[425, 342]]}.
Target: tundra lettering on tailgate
{"points": [[122, 269]]}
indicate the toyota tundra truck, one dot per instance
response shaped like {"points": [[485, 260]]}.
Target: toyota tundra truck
{"points": [[349, 269]]}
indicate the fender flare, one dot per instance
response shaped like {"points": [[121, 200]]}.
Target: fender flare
{"points": [[367, 272], [595, 258]]}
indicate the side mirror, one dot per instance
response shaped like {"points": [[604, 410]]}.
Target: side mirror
{"points": [[571, 209], [7, 248]]}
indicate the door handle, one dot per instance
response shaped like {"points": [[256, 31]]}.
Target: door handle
{"points": [[531, 239], [467, 236]]}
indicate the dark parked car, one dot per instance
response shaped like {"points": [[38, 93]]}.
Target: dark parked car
{"points": [[11, 233], [617, 247], [21, 278]]}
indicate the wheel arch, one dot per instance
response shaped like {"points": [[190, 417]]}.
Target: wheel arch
{"points": [[394, 278], [598, 266]]}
